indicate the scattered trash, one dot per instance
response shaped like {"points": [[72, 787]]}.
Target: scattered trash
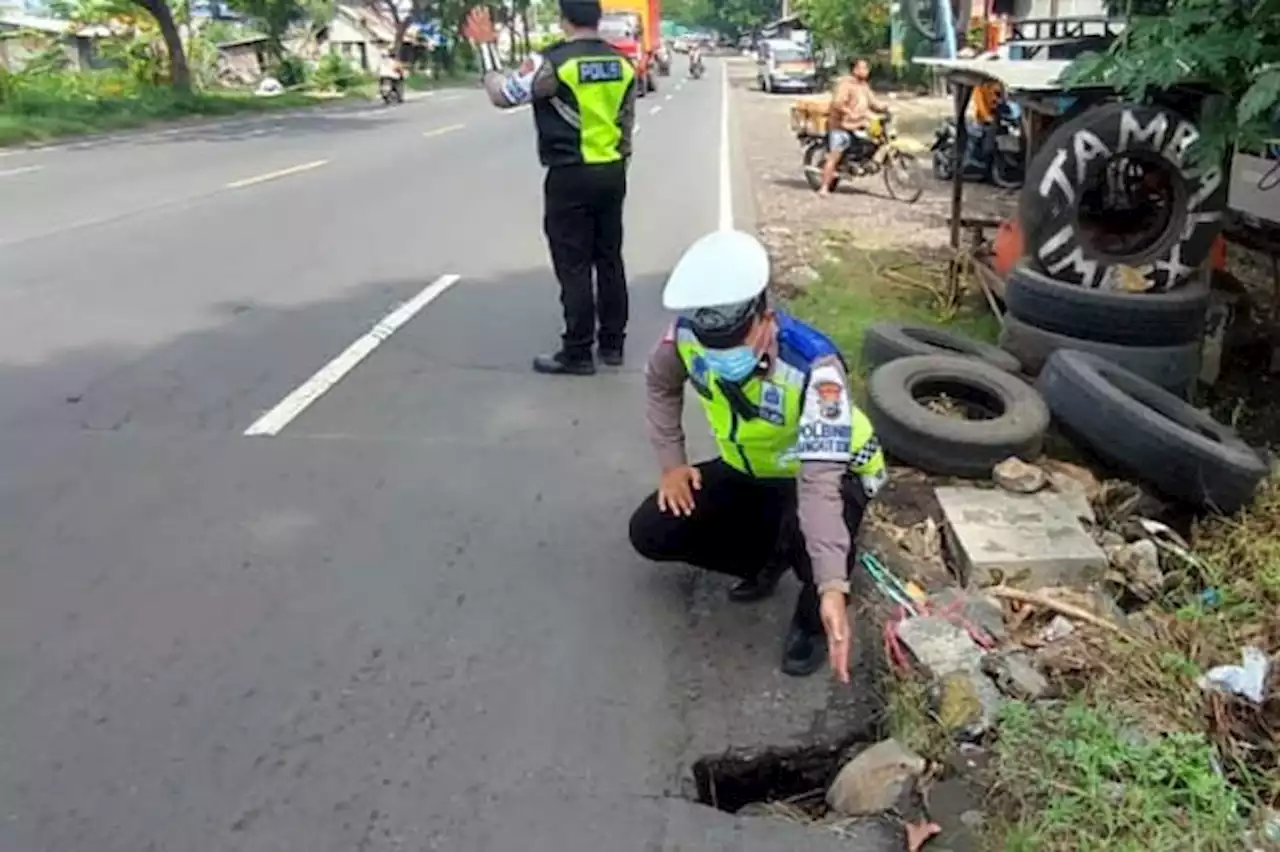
{"points": [[875, 779], [952, 656], [1248, 680], [269, 87], [909, 596], [976, 608], [1013, 474], [1016, 676], [1060, 628], [1211, 598]]}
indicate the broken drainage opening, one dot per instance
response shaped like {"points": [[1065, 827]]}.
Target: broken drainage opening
{"points": [[729, 782]]}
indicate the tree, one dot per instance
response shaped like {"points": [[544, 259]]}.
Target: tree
{"points": [[855, 27], [417, 11], [275, 17], [1230, 46]]}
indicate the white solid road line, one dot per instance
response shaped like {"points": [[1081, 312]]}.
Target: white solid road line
{"points": [[292, 170], [330, 374], [655, 110], [726, 188], [440, 131], [21, 170]]}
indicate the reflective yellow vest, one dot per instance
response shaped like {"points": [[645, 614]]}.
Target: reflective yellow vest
{"points": [[583, 122], [759, 435]]}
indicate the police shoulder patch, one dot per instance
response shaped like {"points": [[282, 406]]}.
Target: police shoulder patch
{"points": [[826, 419]]}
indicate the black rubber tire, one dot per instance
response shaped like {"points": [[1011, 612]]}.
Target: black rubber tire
{"points": [[1050, 215], [1150, 433], [909, 191], [953, 446], [1006, 172], [1107, 316], [1173, 368], [883, 342], [814, 153]]}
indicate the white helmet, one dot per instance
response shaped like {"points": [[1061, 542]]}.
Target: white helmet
{"points": [[722, 269]]}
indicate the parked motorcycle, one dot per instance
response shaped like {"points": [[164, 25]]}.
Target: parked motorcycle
{"points": [[996, 151], [392, 90], [879, 153]]}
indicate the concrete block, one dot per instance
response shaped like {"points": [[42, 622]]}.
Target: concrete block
{"points": [[1030, 540]]}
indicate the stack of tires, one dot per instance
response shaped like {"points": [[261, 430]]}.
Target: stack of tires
{"points": [[1122, 418], [1143, 310]]}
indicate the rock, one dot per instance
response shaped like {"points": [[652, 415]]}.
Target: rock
{"points": [[1059, 628], [1074, 494], [939, 646], [1023, 540], [1107, 539], [978, 609], [1139, 564], [1081, 476], [1016, 676], [1013, 474], [269, 87], [973, 819], [959, 706], [875, 779]]}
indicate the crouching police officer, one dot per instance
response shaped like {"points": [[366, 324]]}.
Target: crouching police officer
{"points": [[583, 95], [797, 461]]}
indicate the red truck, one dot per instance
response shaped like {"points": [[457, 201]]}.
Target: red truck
{"points": [[635, 28]]}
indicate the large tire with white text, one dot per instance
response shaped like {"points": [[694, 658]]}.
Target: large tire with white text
{"points": [[1138, 146]]}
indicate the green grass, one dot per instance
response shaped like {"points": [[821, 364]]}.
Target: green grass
{"points": [[1074, 776], [861, 287], [43, 117]]}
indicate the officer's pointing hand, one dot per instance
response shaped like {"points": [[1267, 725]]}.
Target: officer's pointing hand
{"points": [[675, 490], [835, 621]]}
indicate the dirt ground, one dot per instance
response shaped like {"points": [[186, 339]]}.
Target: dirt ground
{"points": [[793, 221]]}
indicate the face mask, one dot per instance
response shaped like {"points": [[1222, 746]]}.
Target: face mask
{"points": [[733, 365]]}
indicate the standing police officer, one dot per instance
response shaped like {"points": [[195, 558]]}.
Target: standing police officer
{"points": [[583, 95]]}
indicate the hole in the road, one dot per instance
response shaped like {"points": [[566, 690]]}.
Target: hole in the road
{"points": [[796, 776]]}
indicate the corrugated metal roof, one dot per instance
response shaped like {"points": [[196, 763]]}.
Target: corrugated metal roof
{"points": [[1021, 75]]}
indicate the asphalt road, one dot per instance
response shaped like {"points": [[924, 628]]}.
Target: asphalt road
{"points": [[406, 617]]}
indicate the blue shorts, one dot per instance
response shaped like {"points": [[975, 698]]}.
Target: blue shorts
{"points": [[839, 140]]}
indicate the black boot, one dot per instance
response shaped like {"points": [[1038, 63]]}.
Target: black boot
{"points": [[803, 652], [760, 586], [611, 357], [564, 364]]}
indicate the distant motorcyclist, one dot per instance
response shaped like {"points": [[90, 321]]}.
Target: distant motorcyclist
{"points": [[695, 59], [391, 73], [851, 110]]}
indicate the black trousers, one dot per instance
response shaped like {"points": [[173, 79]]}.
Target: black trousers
{"points": [[739, 526], [583, 222]]}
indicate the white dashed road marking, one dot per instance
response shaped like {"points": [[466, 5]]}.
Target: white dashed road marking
{"points": [[292, 170], [22, 170], [330, 374], [440, 131], [655, 110]]}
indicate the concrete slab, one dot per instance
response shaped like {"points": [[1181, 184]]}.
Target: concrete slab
{"points": [[1025, 540]]}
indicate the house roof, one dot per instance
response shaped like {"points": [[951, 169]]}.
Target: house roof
{"points": [[51, 26], [1020, 75]]}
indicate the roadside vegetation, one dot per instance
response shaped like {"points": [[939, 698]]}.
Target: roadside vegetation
{"points": [[856, 288]]}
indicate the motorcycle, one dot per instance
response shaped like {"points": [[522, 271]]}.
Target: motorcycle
{"points": [[695, 69], [879, 152], [996, 151], [392, 90]]}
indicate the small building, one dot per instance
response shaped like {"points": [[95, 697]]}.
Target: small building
{"points": [[24, 36]]}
